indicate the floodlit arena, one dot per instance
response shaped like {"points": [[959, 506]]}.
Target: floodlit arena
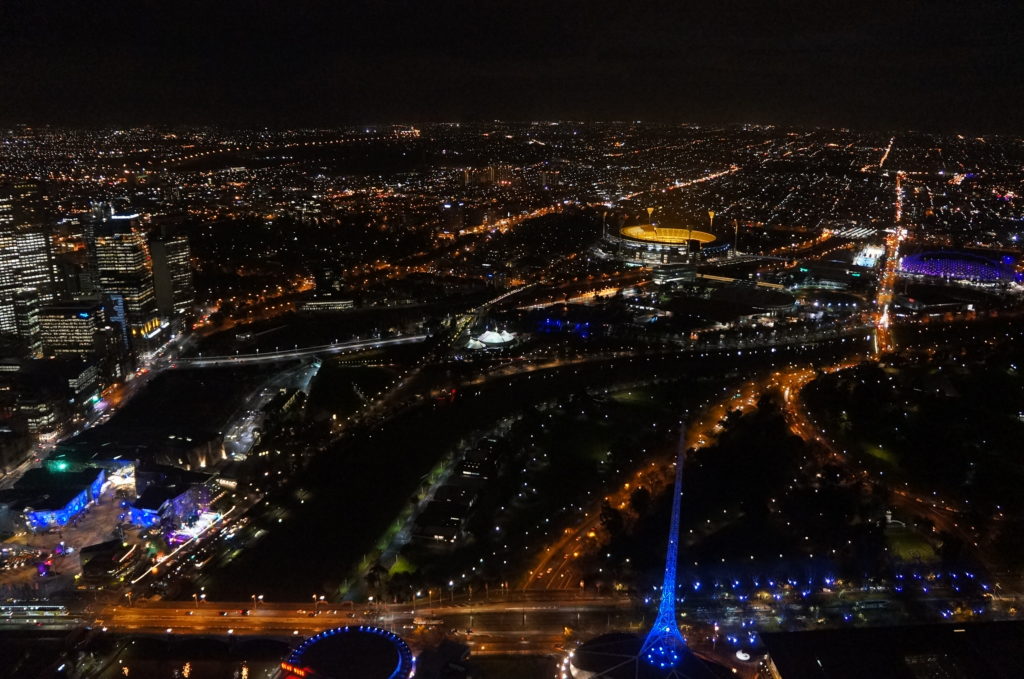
{"points": [[359, 652], [656, 244], [968, 266]]}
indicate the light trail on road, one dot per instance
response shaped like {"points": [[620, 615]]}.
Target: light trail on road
{"points": [[272, 356]]}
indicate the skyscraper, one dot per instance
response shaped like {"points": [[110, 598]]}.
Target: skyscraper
{"points": [[26, 276], [172, 274], [8, 266], [26, 319], [125, 273], [35, 263], [6, 210], [71, 328]]}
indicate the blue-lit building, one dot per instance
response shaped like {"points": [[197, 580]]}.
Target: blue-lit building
{"points": [[143, 515], [168, 506], [51, 499], [56, 509], [172, 498], [965, 266]]}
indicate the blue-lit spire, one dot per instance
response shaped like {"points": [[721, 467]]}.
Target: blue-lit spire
{"points": [[664, 646]]}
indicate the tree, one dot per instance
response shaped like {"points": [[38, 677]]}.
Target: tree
{"points": [[375, 578], [611, 520], [640, 501]]}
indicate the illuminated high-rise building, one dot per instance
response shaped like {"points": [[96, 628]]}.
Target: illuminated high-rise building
{"points": [[124, 272], [26, 278], [8, 267], [26, 319], [80, 328], [29, 198], [35, 263], [172, 275], [71, 328]]}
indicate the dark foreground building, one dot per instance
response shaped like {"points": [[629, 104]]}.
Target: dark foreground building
{"points": [[981, 650]]}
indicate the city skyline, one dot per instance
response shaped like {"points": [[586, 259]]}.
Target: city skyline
{"points": [[375, 339], [425, 390]]}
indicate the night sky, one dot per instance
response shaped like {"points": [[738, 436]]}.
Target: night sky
{"points": [[920, 64]]}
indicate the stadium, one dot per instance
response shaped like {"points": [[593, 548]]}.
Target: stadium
{"points": [[957, 265], [652, 244]]}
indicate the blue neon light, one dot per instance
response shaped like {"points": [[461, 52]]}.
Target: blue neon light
{"points": [[406, 662], [664, 646], [146, 518], [96, 487], [39, 520]]}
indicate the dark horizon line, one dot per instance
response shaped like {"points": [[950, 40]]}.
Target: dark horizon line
{"points": [[280, 126]]}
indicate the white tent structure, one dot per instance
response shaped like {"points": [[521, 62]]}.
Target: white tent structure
{"points": [[491, 339]]}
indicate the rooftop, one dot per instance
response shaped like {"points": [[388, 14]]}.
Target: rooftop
{"points": [[990, 649], [667, 235]]}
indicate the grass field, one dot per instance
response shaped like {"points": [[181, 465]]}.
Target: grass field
{"points": [[906, 544]]}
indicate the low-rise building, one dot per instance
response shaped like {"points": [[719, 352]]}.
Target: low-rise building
{"points": [[47, 499], [172, 498]]}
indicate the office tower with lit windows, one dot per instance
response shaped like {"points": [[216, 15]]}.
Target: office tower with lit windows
{"points": [[81, 329], [8, 268], [172, 275], [71, 328], [26, 279], [124, 272], [6, 210], [35, 263], [26, 319]]}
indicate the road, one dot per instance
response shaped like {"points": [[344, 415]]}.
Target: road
{"points": [[944, 516], [290, 354], [555, 569], [536, 626], [505, 623], [887, 281]]}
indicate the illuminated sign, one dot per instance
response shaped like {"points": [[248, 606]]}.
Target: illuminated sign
{"points": [[293, 670]]}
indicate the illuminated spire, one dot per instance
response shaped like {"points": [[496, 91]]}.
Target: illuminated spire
{"points": [[664, 646]]}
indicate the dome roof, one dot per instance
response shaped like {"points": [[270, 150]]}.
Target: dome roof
{"points": [[492, 337]]}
